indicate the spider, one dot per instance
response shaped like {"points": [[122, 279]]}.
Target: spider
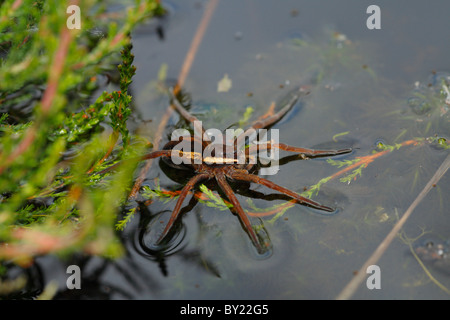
{"points": [[223, 166]]}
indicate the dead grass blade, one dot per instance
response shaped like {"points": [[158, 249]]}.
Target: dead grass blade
{"points": [[353, 285], [189, 59]]}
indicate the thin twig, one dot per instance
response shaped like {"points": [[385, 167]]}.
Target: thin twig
{"points": [[56, 69], [189, 59], [55, 73], [352, 286], [16, 4], [13, 8]]}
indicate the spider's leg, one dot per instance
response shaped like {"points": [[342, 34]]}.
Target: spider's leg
{"points": [[270, 112], [310, 153], [196, 142], [186, 114], [156, 154], [184, 192], [274, 186], [221, 180], [269, 118]]}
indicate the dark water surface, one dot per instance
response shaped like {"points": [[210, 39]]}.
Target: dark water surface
{"points": [[367, 87]]}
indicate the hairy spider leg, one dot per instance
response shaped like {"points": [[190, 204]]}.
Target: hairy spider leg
{"points": [[305, 152], [252, 178], [186, 114], [156, 154], [221, 180], [184, 192], [269, 118]]}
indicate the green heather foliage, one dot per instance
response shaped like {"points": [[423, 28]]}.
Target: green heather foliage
{"points": [[57, 129]]}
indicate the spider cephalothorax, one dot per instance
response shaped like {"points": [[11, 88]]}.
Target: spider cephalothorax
{"points": [[233, 160]]}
